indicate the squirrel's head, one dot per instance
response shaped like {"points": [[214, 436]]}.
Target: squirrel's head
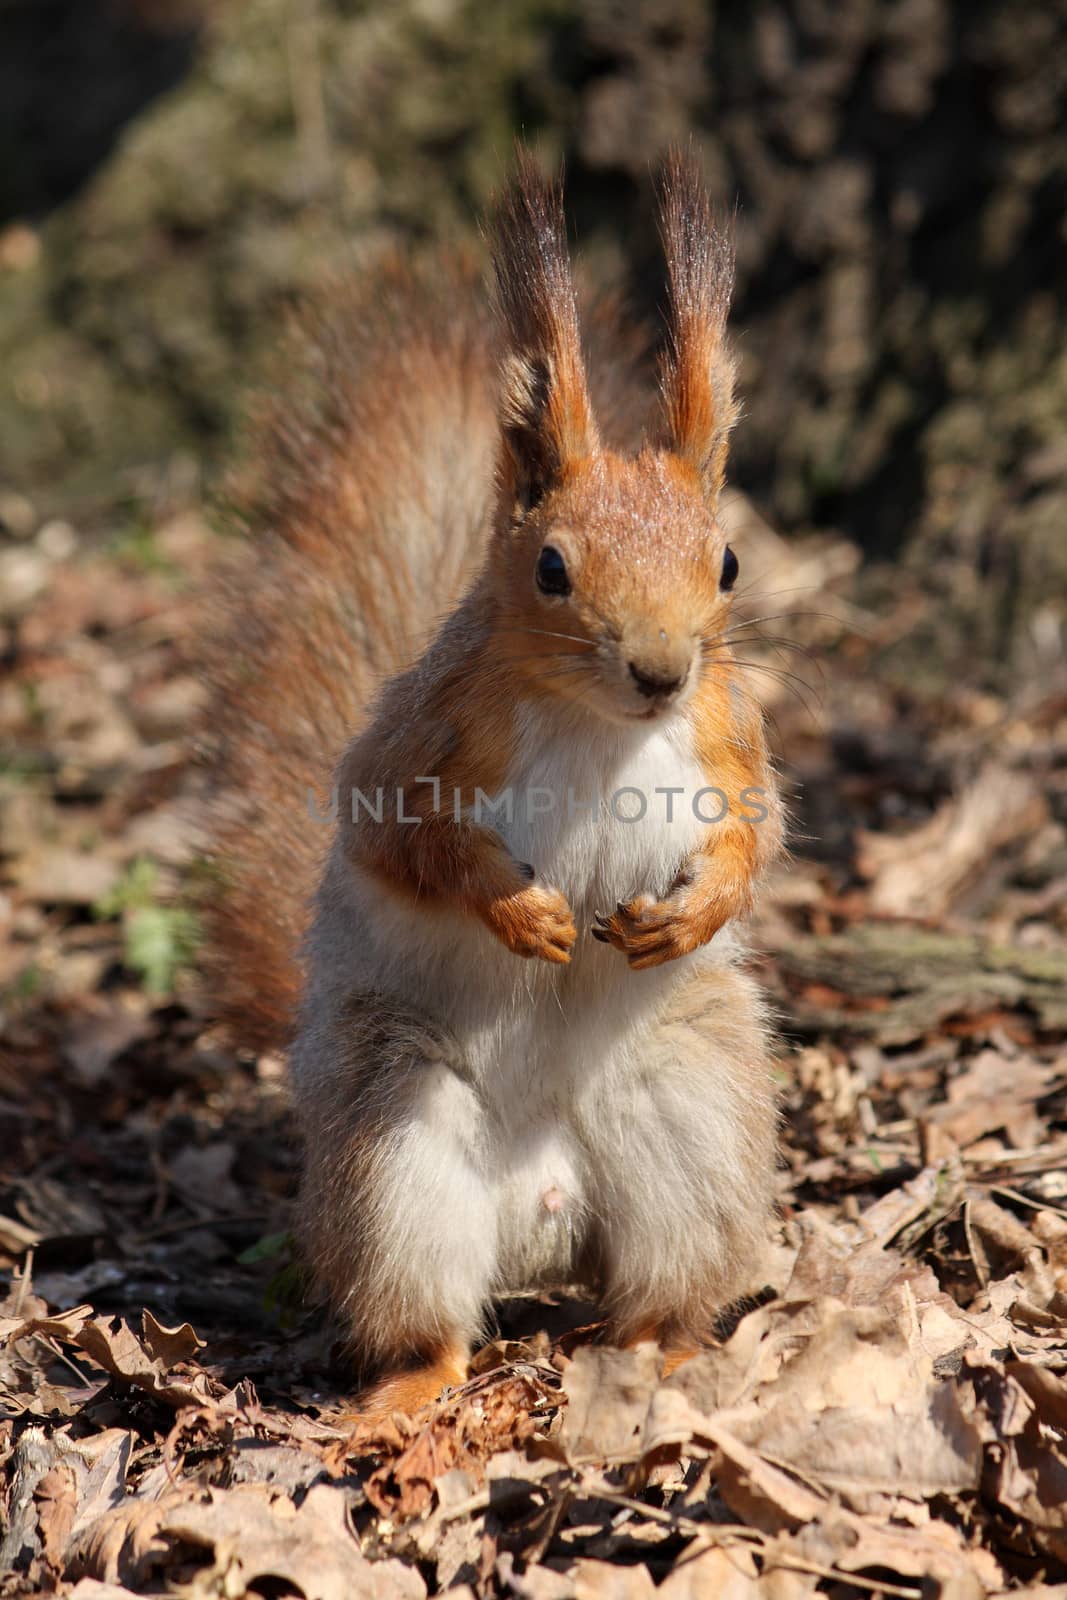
{"points": [[612, 577]]}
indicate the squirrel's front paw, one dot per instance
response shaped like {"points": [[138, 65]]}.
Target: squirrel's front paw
{"points": [[536, 922], [650, 931], [707, 895]]}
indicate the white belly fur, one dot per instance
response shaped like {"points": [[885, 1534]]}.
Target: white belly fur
{"points": [[546, 1050]]}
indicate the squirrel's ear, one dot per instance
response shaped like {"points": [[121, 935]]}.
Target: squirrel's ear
{"points": [[546, 418], [697, 368]]}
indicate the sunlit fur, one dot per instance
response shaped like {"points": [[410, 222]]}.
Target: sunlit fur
{"points": [[525, 1053], [697, 369], [644, 555]]}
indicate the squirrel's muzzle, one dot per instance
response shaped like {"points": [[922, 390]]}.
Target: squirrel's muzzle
{"points": [[658, 683], [657, 663]]}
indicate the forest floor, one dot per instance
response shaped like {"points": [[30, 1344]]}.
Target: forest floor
{"points": [[888, 1415]]}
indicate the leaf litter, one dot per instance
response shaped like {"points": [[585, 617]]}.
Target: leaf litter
{"points": [[886, 1413]]}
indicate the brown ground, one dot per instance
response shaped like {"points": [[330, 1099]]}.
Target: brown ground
{"points": [[891, 1418]]}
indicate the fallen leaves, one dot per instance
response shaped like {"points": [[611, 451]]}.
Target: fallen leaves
{"points": [[144, 1362], [457, 1437], [239, 1541], [976, 1104], [891, 1419], [920, 873]]}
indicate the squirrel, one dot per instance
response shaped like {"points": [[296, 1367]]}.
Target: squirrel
{"points": [[522, 1049]]}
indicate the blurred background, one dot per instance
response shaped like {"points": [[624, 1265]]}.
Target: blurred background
{"points": [[175, 174]]}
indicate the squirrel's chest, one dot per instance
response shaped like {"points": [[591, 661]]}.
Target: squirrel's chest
{"points": [[605, 816]]}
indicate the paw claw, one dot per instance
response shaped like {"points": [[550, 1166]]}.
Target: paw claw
{"points": [[648, 932]]}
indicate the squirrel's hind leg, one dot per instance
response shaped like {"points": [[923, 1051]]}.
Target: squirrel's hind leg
{"points": [[684, 1166], [397, 1221]]}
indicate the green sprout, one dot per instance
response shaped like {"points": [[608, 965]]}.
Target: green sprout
{"points": [[158, 939]]}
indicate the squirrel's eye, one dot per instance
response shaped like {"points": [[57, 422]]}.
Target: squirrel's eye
{"points": [[730, 569], [552, 572]]}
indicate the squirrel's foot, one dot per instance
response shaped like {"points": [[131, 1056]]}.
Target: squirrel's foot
{"points": [[409, 1390], [535, 922], [677, 1350], [650, 931]]}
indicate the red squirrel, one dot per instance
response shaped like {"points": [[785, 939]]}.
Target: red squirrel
{"points": [[523, 1053]]}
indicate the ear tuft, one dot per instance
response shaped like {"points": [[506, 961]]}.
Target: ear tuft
{"points": [[698, 369], [546, 418]]}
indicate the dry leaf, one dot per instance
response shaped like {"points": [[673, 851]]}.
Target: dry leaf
{"points": [[921, 873], [169, 1346], [858, 1410], [67, 1326], [486, 1416], [757, 1492], [15, 1240], [601, 1580], [126, 1544], [56, 1495], [608, 1394], [701, 1573], [994, 1093], [114, 1345]]}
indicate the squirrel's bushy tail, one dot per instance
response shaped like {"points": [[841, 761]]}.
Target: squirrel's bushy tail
{"points": [[365, 500]]}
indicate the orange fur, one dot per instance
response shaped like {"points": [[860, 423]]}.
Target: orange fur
{"points": [[341, 578], [415, 468], [554, 473], [698, 370], [546, 418], [409, 1390], [365, 496]]}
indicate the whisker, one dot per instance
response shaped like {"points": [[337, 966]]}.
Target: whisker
{"points": [[803, 692], [777, 642], [787, 616], [726, 641], [775, 639], [779, 741], [556, 673], [547, 655], [772, 594], [547, 633], [788, 680]]}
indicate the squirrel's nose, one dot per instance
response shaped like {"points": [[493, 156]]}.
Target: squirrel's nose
{"points": [[656, 683]]}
